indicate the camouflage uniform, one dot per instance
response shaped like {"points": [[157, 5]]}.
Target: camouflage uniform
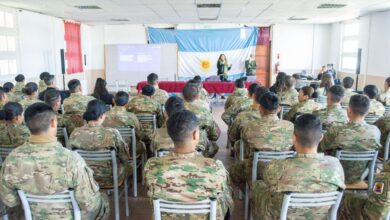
{"points": [[348, 93], [354, 136], [241, 121], [160, 96], [13, 135], [42, 86], [27, 101], [2, 105], [204, 95], [231, 113], [385, 97], [19, 86], [376, 108], [307, 106], [268, 133], [74, 108], [12, 97], [289, 97], [189, 178], [332, 115], [118, 117], [92, 137], [384, 126], [304, 173], [237, 94], [43, 166]]}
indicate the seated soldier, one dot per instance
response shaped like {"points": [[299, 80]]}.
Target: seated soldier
{"points": [[9, 89], [239, 105], [93, 136], [53, 99], [201, 101], [376, 108], [209, 128], [306, 172], [42, 84], [374, 206], [354, 136], [239, 93], [334, 114], [119, 117], [160, 96], [384, 97], [383, 124], [75, 106], [42, 166], [306, 104], [204, 95], [13, 132], [31, 95], [3, 98], [185, 176], [267, 133], [50, 85], [19, 85], [288, 95], [348, 91]]}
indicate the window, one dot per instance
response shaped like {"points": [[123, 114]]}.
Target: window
{"points": [[350, 46], [8, 42]]}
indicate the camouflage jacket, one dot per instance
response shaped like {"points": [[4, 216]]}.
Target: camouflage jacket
{"points": [[77, 102], [348, 93], [72, 121], [354, 136], [12, 97], [231, 113], [237, 94], [119, 117], [332, 115], [308, 106], [42, 166], [189, 178], [376, 108], [19, 86], [383, 124], [305, 173], [241, 121], [41, 86], [206, 121], [289, 97], [92, 137], [385, 97], [13, 135], [27, 101], [160, 96]]}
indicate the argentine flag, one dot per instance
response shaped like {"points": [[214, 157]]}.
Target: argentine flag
{"points": [[199, 50]]}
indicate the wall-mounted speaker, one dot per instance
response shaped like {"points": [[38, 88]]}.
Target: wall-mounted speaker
{"points": [[62, 52]]}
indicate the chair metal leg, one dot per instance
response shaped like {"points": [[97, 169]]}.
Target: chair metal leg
{"points": [[143, 159], [246, 201], [116, 201], [127, 198]]}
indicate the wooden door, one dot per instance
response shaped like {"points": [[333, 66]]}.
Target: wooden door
{"points": [[263, 56]]}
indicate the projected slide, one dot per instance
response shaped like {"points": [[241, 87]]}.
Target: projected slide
{"points": [[139, 58]]}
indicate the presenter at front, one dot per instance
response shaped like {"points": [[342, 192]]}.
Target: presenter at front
{"points": [[250, 66], [223, 67]]}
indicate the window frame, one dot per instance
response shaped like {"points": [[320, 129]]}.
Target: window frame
{"points": [[344, 39]]}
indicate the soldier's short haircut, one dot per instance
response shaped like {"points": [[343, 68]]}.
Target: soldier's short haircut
{"points": [[73, 84], [289, 81], [152, 78], [336, 93], [269, 101], [308, 90], [30, 88], [388, 81], [43, 75], [260, 92], [19, 78], [174, 104], [121, 98], [148, 90], [181, 125], [52, 96], [359, 104], [95, 109], [38, 117], [371, 91], [190, 92], [308, 130], [197, 79], [239, 83], [8, 86], [12, 110], [252, 88], [49, 80], [348, 82]]}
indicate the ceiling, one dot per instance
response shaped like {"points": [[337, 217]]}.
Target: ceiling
{"points": [[186, 11]]}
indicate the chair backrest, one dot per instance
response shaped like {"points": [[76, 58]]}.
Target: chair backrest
{"points": [[266, 157], [284, 110], [129, 133], [387, 216], [64, 197], [4, 151], [371, 119], [300, 200], [201, 207], [63, 133], [148, 118], [386, 147], [62, 109], [108, 107], [161, 153], [370, 156], [162, 108], [387, 110], [321, 100]]}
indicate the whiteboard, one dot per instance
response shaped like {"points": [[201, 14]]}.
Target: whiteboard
{"points": [[128, 64]]}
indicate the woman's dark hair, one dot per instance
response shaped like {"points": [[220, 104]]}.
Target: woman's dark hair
{"points": [[326, 82], [19, 78], [30, 88], [43, 75], [2, 115], [308, 90], [12, 110], [100, 88], [95, 109], [280, 81], [8, 86]]}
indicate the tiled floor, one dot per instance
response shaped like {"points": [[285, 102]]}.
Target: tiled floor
{"points": [[140, 208]]}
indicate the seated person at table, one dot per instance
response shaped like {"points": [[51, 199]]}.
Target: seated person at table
{"points": [[239, 93], [49, 85], [374, 206], [288, 94], [354, 136], [160, 96], [204, 95], [306, 103], [208, 127], [185, 176], [13, 132], [19, 85], [42, 85], [31, 95], [334, 114], [9, 89], [42, 166], [267, 133], [100, 92], [119, 117], [3, 98], [376, 108], [307, 172], [326, 82], [348, 91], [384, 97], [239, 105], [93, 136]]}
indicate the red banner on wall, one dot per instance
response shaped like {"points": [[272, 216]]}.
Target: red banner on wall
{"points": [[73, 48], [264, 36]]}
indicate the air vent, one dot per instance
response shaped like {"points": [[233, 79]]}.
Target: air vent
{"points": [[119, 19], [296, 19], [208, 5], [331, 6], [87, 7]]}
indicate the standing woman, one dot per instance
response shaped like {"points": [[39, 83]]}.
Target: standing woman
{"points": [[223, 67], [102, 93]]}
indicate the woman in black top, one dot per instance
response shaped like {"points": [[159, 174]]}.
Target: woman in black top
{"points": [[101, 92], [223, 67]]}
